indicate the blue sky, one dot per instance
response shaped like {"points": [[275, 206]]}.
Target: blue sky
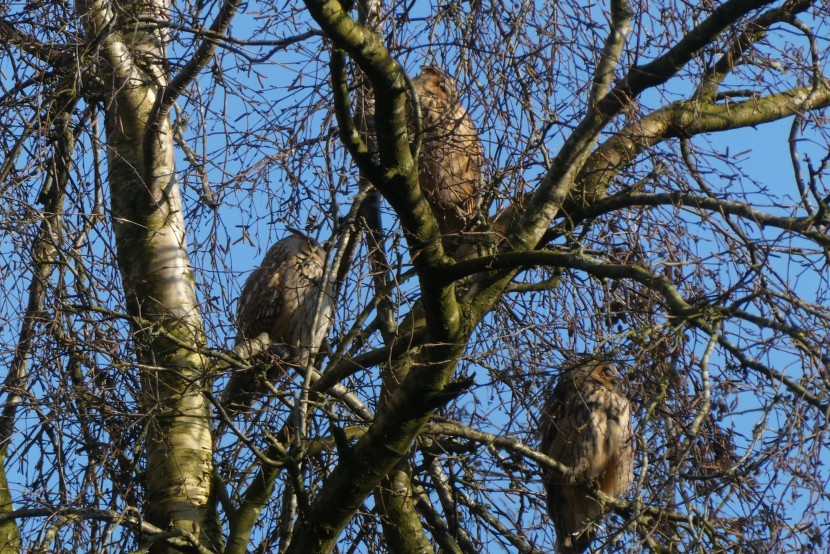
{"points": [[266, 188]]}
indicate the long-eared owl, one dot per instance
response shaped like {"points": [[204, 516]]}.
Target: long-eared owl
{"points": [[586, 425], [451, 154], [279, 298]]}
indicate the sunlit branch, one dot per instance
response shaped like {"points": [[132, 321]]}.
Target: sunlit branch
{"points": [[690, 118], [99, 19], [800, 337], [805, 226], [397, 422], [795, 388], [397, 179], [554, 187], [706, 398], [168, 93], [357, 336], [246, 350], [223, 39], [438, 527], [445, 491], [55, 57], [346, 125], [129, 518], [396, 498], [576, 260], [382, 277], [12, 156], [44, 254], [621, 13], [483, 512], [204, 52], [453, 429], [548, 284], [178, 135], [675, 302], [334, 260]]}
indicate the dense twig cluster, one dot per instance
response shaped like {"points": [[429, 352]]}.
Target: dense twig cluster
{"points": [[629, 210]]}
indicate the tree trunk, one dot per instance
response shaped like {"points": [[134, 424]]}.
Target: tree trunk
{"points": [[157, 278], [159, 288]]}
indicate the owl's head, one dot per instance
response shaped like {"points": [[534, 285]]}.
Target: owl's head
{"points": [[434, 81], [595, 371], [607, 375]]}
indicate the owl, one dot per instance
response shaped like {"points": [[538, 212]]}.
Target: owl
{"points": [[451, 156], [585, 425], [279, 299]]}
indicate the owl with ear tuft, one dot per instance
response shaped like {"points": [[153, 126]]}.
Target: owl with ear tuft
{"points": [[450, 155], [585, 425]]}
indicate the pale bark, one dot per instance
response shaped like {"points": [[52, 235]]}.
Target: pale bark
{"points": [[157, 278], [271, 478], [402, 527], [159, 287]]}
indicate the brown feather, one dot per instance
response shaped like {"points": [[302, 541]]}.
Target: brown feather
{"points": [[451, 156]]}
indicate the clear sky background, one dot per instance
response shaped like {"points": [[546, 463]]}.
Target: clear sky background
{"points": [[265, 189]]}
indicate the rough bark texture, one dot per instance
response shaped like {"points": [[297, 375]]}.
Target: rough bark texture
{"points": [[156, 275], [44, 254], [159, 288], [402, 527], [613, 226]]}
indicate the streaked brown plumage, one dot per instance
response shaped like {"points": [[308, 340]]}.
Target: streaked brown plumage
{"points": [[279, 298], [451, 154], [585, 425], [450, 158]]}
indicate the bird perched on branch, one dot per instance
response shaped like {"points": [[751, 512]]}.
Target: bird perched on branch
{"points": [[280, 298], [585, 425], [451, 156]]}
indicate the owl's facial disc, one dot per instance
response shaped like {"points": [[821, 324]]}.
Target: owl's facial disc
{"points": [[608, 375]]}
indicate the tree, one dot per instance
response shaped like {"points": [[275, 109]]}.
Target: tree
{"points": [[629, 213]]}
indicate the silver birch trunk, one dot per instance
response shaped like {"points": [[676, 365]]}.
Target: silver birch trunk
{"points": [[155, 270]]}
